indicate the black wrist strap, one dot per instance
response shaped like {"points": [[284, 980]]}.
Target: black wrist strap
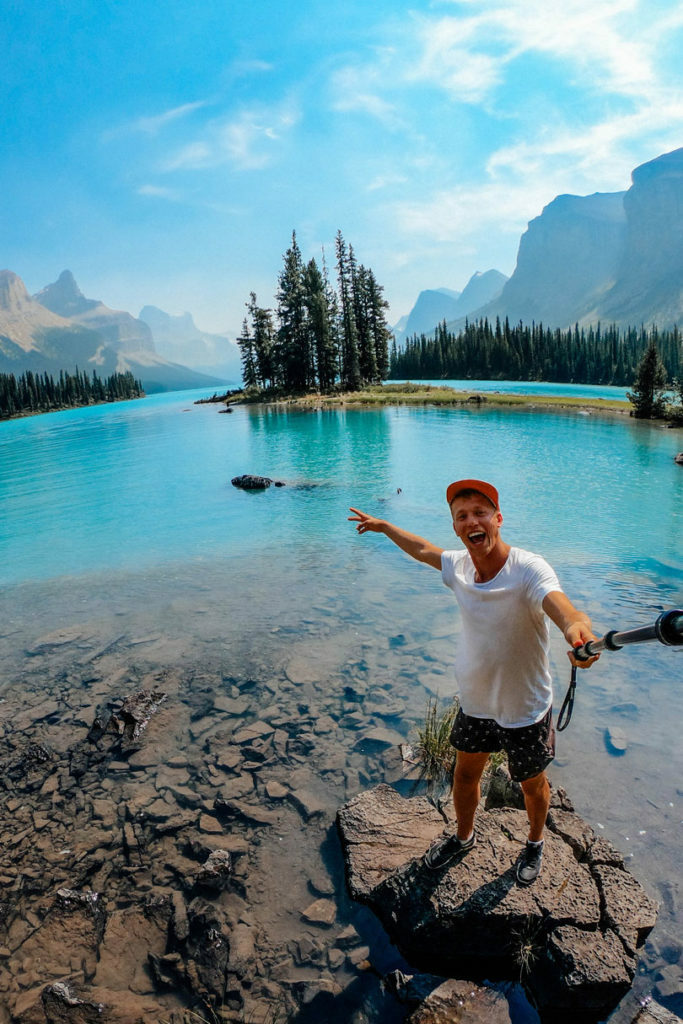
{"points": [[565, 715]]}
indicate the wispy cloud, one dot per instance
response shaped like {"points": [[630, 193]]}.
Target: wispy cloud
{"points": [[358, 88], [384, 181], [159, 192], [463, 213], [467, 54], [247, 140], [154, 124]]}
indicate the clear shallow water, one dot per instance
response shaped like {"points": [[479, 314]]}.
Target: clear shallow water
{"points": [[123, 517]]}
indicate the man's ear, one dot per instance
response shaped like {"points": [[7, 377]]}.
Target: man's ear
{"points": [[499, 516]]}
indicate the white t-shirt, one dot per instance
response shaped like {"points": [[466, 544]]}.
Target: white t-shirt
{"points": [[501, 665]]}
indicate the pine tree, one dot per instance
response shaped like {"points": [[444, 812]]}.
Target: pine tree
{"points": [[245, 343], [263, 337], [649, 387], [379, 328], [295, 357], [350, 368], [320, 318], [367, 363]]}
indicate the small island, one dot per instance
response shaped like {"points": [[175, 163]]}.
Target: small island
{"points": [[325, 346]]}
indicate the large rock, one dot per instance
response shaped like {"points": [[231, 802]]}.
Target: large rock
{"points": [[447, 1001], [574, 933], [249, 482], [61, 1004]]}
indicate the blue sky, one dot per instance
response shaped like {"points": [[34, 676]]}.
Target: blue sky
{"points": [[164, 152]]}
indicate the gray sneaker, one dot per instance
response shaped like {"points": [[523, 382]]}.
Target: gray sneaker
{"points": [[529, 863], [447, 850]]}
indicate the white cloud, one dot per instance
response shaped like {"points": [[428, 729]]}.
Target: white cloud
{"points": [[463, 213], [383, 181], [448, 59], [467, 55], [600, 153], [245, 141], [244, 68], [159, 192], [358, 88], [153, 125]]}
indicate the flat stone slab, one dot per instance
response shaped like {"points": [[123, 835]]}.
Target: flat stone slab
{"points": [[448, 1001], [581, 921]]}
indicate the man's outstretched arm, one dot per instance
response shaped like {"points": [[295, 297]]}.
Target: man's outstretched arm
{"points": [[417, 547], [575, 625]]}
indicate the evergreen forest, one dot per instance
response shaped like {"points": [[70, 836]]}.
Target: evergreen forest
{"points": [[318, 337], [497, 351], [40, 392]]}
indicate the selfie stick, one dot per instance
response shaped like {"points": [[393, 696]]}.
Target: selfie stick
{"points": [[668, 629]]}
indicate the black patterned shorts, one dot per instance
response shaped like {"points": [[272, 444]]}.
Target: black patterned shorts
{"points": [[530, 749]]}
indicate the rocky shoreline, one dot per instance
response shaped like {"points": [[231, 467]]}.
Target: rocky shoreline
{"points": [[167, 819]]}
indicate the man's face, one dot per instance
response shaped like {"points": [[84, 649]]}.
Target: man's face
{"points": [[477, 523]]}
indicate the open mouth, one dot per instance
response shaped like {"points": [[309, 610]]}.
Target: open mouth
{"points": [[478, 537]]}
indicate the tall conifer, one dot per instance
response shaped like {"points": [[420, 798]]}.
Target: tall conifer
{"points": [[350, 368]]}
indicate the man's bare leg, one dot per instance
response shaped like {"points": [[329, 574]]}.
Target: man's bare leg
{"points": [[469, 769], [537, 802]]}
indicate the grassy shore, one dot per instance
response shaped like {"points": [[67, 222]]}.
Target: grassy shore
{"points": [[427, 394]]}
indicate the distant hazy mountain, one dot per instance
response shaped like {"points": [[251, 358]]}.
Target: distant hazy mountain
{"points": [[65, 298], [435, 305], [616, 257], [35, 337], [179, 339]]}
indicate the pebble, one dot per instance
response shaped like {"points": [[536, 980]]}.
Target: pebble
{"points": [[321, 912], [210, 825], [616, 740]]}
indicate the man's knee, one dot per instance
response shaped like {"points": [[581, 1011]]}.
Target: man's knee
{"points": [[536, 786], [469, 768]]}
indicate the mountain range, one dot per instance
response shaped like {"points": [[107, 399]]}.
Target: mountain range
{"points": [[60, 329], [435, 305], [179, 339], [614, 257]]}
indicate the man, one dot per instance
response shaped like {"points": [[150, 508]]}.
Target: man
{"points": [[502, 664]]}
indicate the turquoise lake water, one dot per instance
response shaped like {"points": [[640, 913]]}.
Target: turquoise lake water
{"points": [[534, 387], [125, 515]]}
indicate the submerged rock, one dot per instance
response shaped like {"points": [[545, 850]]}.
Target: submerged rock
{"points": [[447, 1000], [575, 932], [249, 482], [61, 1003], [125, 719]]}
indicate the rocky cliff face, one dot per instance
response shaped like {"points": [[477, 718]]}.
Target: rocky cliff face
{"points": [[615, 257], [567, 260], [117, 327], [649, 284], [21, 318]]}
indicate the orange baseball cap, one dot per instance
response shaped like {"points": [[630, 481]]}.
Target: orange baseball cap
{"points": [[488, 490]]}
